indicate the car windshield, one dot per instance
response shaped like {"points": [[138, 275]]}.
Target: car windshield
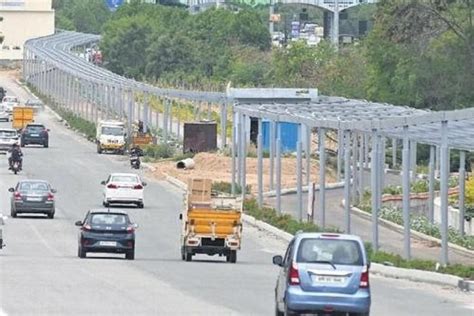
{"points": [[35, 129], [113, 131], [335, 251], [8, 134], [108, 219], [124, 178], [10, 99], [33, 186]]}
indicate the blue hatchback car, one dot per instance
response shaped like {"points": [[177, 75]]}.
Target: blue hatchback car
{"points": [[323, 273]]}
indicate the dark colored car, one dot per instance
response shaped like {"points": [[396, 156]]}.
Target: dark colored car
{"points": [[35, 134], [32, 196], [107, 232]]}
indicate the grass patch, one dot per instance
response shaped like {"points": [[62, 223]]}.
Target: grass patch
{"points": [[282, 221], [463, 271]]}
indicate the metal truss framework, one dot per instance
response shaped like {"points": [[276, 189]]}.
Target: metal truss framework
{"points": [[51, 66]]}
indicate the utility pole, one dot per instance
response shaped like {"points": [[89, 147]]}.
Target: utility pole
{"points": [[335, 26], [271, 11]]}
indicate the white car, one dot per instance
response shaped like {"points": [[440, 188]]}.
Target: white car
{"points": [[9, 102], [8, 137], [4, 115], [123, 188]]}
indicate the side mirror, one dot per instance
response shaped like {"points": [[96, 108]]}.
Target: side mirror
{"points": [[78, 223], [11, 190], [103, 182], [54, 191], [278, 260], [144, 183], [181, 217], [135, 225]]}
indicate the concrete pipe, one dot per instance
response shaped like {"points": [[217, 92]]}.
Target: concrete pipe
{"points": [[185, 164]]}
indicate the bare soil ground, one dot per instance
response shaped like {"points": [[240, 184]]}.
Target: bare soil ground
{"points": [[218, 168]]}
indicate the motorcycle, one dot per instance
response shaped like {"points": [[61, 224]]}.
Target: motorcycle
{"points": [[135, 158], [16, 167], [134, 161]]}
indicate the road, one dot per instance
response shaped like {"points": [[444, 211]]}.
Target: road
{"points": [[40, 273]]}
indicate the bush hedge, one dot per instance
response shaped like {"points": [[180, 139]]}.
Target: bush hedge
{"points": [[287, 223]]}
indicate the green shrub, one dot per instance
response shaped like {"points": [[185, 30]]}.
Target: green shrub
{"points": [[160, 151], [226, 187], [282, 221], [421, 224], [463, 271]]}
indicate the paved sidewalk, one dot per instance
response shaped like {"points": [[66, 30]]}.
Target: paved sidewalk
{"points": [[389, 240]]}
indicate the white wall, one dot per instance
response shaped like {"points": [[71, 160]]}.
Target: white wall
{"points": [[27, 19], [453, 218]]}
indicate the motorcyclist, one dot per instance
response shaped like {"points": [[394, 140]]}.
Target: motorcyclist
{"points": [[136, 152], [140, 127], [15, 156]]}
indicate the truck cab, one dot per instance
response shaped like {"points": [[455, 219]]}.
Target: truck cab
{"points": [[111, 137]]}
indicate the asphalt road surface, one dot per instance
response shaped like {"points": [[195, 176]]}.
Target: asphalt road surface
{"points": [[40, 273]]}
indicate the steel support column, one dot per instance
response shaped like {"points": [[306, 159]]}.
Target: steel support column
{"points": [[444, 168], [299, 174], [406, 166], [431, 184], [347, 180], [462, 190], [374, 183], [322, 176], [260, 162]]}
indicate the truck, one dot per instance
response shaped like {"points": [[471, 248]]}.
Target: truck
{"points": [[22, 115], [211, 224], [142, 139], [111, 136]]}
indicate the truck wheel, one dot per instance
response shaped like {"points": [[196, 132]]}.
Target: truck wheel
{"points": [[183, 256], [46, 144], [99, 150], [189, 256], [233, 256]]}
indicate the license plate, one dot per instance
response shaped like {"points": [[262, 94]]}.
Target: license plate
{"points": [[34, 135], [34, 199], [108, 243], [327, 279]]}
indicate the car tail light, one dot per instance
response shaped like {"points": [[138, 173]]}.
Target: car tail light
{"points": [[364, 278], [50, 197], [112, 186], [138, 187], [294, 278], [130, 229], [86, 228], [17, 195]]}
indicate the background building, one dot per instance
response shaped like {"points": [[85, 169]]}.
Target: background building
{"points": [[21, 20]]}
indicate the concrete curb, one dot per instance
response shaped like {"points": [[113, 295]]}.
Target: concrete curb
{"points": [[376, 268], [390, 225]]}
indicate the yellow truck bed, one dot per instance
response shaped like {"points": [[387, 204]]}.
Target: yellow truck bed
{"points": [[210, 225], [22, 115], [220, 223]]}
